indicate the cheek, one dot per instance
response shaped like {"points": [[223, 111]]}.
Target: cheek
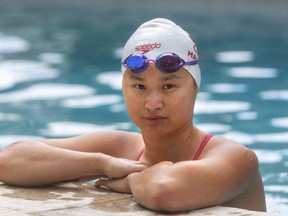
{"points": [[132, 104], [182, 100], [183, 105]]}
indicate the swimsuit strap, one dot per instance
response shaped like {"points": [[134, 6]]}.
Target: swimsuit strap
{"points": [[202, 146], [196, 156], [140, 154]]}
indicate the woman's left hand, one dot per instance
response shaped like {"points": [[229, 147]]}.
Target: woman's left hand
{"points": [[119, 185]]}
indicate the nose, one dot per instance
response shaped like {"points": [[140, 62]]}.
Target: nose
{"points": [[154, 102]]}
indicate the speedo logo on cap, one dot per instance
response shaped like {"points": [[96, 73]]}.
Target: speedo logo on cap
{"points": [[145, 48]]}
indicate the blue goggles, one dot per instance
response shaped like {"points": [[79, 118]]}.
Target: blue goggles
{"points": [[166, 62]]}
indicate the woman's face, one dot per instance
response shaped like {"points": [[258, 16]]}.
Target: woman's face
{"points": [[160, 102]]}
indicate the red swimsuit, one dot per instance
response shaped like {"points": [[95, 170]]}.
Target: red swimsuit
{"points": [[202, 146], [199, 150]]}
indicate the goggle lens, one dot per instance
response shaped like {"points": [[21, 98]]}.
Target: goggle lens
{"points": [[166, 62], [135, 62]]}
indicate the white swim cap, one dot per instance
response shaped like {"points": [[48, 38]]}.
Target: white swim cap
{"points": [[160, 35]]}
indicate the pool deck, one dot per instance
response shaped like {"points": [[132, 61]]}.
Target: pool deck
{"points": [[82, 199]]}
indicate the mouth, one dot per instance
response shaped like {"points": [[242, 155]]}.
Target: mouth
{"points": [[154, 118]]}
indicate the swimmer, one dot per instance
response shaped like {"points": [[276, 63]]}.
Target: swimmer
{"points": [[172, 165]]}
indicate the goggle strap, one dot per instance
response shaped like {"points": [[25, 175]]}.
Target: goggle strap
{"points": [[192, 62]]}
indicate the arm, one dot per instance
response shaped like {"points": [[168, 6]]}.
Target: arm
{"points": [[34, 163], [190, 185]]}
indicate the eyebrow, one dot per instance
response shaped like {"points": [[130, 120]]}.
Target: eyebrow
{"points": [[169, 77], [135, 77], [162, 78]]}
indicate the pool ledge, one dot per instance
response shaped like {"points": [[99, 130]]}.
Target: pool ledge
{"points": [[81, 199]]}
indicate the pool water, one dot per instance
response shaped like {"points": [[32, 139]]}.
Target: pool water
{"points": [[60, 72]]}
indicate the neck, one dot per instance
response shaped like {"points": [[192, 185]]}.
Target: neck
{"points": [[178, 146]]}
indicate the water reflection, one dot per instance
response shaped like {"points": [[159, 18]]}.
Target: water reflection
{"points": [[214, 107], [227, 88], [10, 117], [66, 129], [90, 102], [46, 91], [13, 72], [235, 56], [252, 72], [274, 95], [280, 122], [13, 44], [112, 79], [52, 58]]}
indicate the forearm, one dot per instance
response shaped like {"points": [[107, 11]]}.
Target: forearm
{"points": [[148, 187], [35, 163], [140, 192], [160, 188]]}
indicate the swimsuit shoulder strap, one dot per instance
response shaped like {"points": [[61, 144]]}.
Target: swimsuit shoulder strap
{"points": [[202, 146], [196, 156], [140, 154]]}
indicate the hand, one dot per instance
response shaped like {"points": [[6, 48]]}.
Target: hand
{"points": [[148, 183], [151, 174], [119, 185], [115, 168]]}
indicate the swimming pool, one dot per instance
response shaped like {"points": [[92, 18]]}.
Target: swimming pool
{"points": [[60, 72]]}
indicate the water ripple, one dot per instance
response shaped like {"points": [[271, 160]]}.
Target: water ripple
{"points": [[280, 122], [268, 156], [252, 72], [13, 44], [272, 137], [247, 115], [274, 95], [65, 128], [227, 88], [90, 102], [213, 107], [240, 137], [46, 91], [234, 56], [112, 78], [10, 117], [13, 72], [52, 58], [214, 128]]}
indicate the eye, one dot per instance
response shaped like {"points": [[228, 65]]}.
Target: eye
{"points": [[168, 86], [140, 86]]}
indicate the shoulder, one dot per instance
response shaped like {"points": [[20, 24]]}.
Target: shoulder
{"points": [[227, 148], [231, 155]]}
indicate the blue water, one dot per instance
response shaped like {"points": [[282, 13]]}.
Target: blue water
{"points": [[60, 73]]}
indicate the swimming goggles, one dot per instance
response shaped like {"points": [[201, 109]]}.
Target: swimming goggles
{"points": [[166, 62]]}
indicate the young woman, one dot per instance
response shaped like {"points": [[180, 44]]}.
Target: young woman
{"points": [[172, 165]]}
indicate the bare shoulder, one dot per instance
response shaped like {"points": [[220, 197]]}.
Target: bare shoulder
{"points": [[115, 143], [226, 149], [235, 169], [237, 160]]}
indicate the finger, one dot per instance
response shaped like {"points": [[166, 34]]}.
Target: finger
{"points": [[119, 185], [136, 166], [133, 163], [101, 183]]}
